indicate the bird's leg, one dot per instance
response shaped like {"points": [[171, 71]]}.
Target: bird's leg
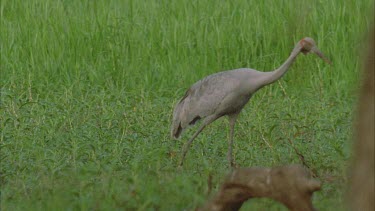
{"points": [[232, 122], [187, 144], [186, 147]]}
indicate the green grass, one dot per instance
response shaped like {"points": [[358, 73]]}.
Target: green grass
{"points": [[88, 88]]}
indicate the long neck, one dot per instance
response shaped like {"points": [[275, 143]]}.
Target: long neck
{"points": [[275, 75]]}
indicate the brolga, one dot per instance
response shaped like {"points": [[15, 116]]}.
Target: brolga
{"points": [[225, 94]]}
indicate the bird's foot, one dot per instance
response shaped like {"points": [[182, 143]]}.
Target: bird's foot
{"points": [[231, 161], [233, 165], [180, 165]]}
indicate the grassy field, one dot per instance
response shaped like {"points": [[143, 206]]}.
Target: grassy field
{"points": [[88, 88]]}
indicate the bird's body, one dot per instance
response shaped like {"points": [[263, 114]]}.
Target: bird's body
{"points": [[225, 94], [221, 93]]}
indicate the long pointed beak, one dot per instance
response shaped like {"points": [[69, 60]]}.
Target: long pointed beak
{"points": [[321, 55]]}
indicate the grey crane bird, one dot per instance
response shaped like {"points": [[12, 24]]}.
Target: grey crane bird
{"points": [[226, 93]]}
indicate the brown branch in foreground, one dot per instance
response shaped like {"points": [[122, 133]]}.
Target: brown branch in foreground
{"points": [[291, 185], [362, 171]]}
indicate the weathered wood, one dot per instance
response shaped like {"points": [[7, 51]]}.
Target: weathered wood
{"points": [[290, 185]]}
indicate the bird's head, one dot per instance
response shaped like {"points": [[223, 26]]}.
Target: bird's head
{"points": [[308, 45]]}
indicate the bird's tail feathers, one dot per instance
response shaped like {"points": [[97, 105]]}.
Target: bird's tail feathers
{"points": [[176, 131], [176, 128]]}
